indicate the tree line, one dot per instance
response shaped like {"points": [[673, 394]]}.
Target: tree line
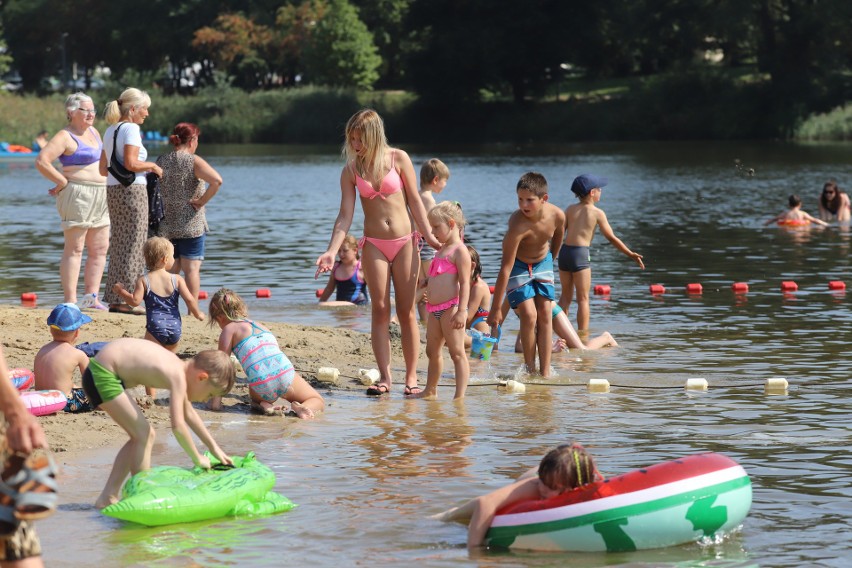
{"points": [[442, 50]]}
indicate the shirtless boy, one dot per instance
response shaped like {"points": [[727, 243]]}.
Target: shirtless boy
{"points": [[581, 219], [129, 362], [55, 362], [526, 271]]}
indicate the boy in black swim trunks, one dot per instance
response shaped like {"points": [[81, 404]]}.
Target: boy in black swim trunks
{"points": [[581, 219], [55, 362]]}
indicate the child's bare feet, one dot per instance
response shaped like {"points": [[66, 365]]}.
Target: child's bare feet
{"points": [[302, 411], [266, 408], [105, 501], [559, 345], [431, 395]]}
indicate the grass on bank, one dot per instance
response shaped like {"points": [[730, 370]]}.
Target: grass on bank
{"points": [[679, 106]]}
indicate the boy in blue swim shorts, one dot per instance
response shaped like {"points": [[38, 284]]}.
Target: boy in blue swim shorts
{"points": [[526, 271]]}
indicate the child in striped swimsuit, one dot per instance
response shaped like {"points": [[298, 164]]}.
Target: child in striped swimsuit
{"points": [[270, 373]]}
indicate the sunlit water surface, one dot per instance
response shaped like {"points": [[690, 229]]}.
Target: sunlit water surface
{"points": [[368, 473]]}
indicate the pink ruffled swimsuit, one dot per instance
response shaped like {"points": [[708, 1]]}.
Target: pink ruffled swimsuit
{"points": [[443, 265]]}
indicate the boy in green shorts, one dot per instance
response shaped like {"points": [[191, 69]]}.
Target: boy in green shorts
{"points": [[128, 362]]}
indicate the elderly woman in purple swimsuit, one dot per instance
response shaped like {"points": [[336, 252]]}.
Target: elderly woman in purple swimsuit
{"points": [[80, 193], [384, 178]]}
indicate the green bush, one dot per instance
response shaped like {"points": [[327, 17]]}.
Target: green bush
{"points": [[833, 125]]}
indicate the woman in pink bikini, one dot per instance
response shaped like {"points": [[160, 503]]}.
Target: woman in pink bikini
{"points": [[384, 178]]}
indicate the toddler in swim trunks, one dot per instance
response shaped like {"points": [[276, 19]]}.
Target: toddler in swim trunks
{"points": [[581, 219], [55, 362], [434, 175], [160, 289], [270, 373], [526, 272]]}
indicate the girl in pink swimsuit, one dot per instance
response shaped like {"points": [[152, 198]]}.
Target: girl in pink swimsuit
{"points": [[384, 179], [447, 295]]}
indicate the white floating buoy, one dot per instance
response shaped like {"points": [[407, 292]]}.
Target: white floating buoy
{"points": [[598, 385], [513, 386], [777, 385], [328, 375], [369, 376], [696, 384]]}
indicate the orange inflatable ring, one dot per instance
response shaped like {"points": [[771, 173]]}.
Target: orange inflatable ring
{"points": [[18, 148], [793, 222]]}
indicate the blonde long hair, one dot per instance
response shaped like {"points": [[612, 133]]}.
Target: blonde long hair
{"points": [[130, 99], [372, 129]]}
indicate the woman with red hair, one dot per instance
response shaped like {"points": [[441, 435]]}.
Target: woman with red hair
{"points": [[187, 184]]}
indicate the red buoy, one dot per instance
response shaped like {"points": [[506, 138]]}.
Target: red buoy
{"points": [[789, 286], [263, 293], [202, 294], [29, 297], [837, 285], [694, 288], [319, 292], [739, 287], [657, 289], [602, 289]]}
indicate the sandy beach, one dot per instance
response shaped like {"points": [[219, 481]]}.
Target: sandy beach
{"points": [[309, 348]]}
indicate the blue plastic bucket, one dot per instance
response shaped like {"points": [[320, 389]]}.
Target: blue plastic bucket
{"points": [[481, 345]]}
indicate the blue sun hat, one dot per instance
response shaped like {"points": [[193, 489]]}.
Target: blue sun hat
{"points": [[586, 183], [67, 317]]}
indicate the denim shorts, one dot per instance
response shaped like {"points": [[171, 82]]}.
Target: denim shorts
{"points": [[190, 249]]}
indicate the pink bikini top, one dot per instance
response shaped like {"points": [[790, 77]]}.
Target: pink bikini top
{"points": [[391, 183], [444, 264]]}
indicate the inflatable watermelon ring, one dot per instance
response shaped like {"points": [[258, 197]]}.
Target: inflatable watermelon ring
{"points": [[665, 504]]}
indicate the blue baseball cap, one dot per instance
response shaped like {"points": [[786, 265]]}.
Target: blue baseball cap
{"points": [[67, 317], [587, 182]]}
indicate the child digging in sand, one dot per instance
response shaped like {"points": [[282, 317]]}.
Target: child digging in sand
{"points": [[55, 362], [270, 373], [129, 362]]}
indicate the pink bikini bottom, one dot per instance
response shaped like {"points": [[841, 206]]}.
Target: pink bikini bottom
{"points": [[391, 247], [438, 310]]}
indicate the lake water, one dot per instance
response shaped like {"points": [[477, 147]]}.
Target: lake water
{"points": [[368, 473]]}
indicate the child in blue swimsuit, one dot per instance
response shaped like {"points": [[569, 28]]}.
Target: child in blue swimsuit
{"points": [[160, 289], [346, 277], [270, 373]]}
